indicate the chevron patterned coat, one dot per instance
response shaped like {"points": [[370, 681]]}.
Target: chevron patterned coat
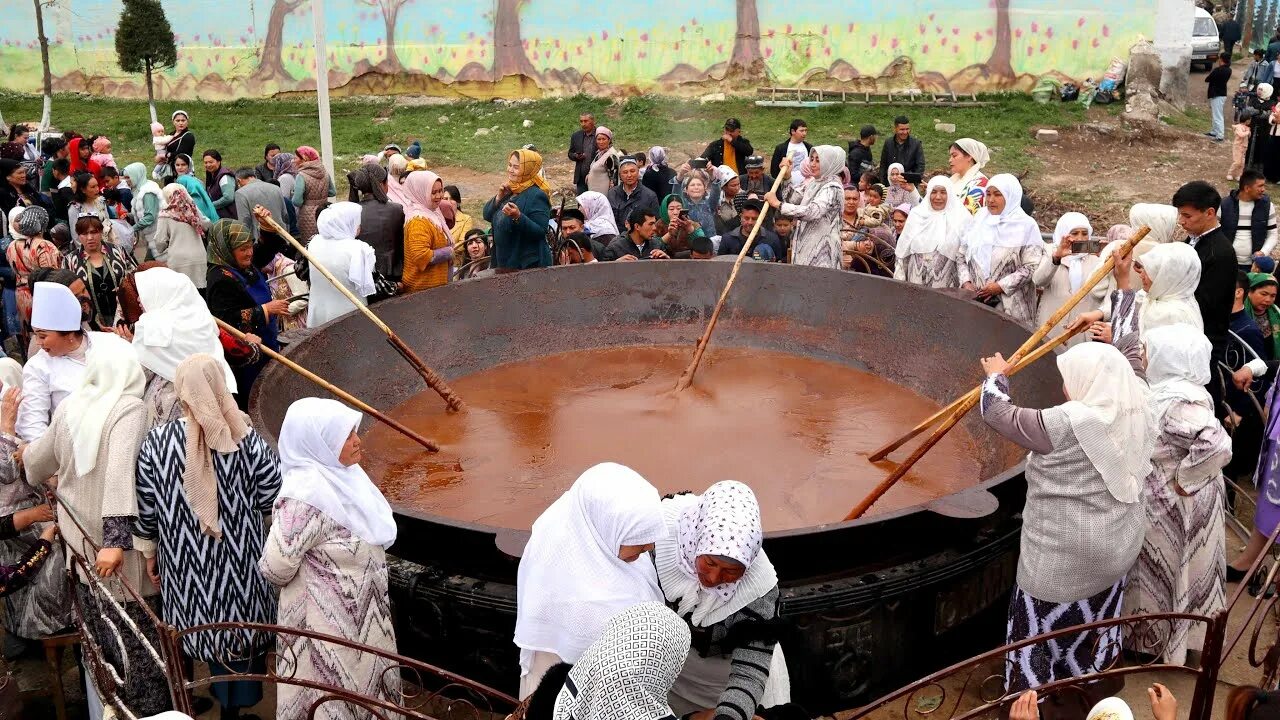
{"points": [[202, 579], [330, 582]]}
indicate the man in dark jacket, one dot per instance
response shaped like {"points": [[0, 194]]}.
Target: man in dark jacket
{"points": [[902, 148], [1230, 34], [731, 243], [790, 146], [1217, 80], [582, 148], [1255, 234], [860, 159], [629, 194], [1197, 203], [754, 181], [718, 152], [641, 241]]}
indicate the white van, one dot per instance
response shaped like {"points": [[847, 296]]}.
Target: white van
{"points": [[1205, 45]]}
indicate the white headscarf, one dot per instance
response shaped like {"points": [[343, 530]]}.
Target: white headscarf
{"points": [[338, 225], [14, 214], [1109, 415], [1012, 228], [175, 324], [111, 372], [1112, 708], [628, 672], [1265, 91], [831, 160], [1162, 219], [1075, 261], [311, 440], [724, 521], [571, 580], [1174, 269], [981, 156], [1178, 362], [599, 213], [928, 230]]}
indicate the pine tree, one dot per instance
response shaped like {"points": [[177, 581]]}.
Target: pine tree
{"points": [[144, 42]]}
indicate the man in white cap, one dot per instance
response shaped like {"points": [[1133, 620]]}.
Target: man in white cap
{"points": [[57, 369]]}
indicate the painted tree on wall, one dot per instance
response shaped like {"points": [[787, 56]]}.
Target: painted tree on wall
{"points": [[747, 57], [1000, 64], [508, 47], [144, 43], [271, 67], [390, 12]]}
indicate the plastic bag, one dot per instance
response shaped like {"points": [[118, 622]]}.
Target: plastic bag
{"points": [[1045, 90]]}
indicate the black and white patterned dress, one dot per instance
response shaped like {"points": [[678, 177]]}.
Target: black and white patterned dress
{"points": [[205, 580]]}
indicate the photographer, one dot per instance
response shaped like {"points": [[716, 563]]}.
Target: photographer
{"points": [[1252, 108]]}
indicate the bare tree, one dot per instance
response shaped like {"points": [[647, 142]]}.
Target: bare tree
{"points": [[509, 57], [44, 60], [271, 66], [746, 45], [1000, 63], [390, 12]]}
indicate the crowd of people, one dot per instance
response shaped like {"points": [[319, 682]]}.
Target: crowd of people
{"points": [[128, 405]]}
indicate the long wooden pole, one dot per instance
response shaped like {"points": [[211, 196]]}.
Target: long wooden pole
{"points": [[1040, 334], [341, 394], [971, 400], [686, 378], [433, 379]]}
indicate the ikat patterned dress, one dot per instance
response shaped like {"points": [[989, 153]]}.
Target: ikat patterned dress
{"points": [[330, 582], [203, 579]]}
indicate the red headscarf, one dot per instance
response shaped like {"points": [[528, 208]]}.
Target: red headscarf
{"points": [[78, 165], [307, 153]]}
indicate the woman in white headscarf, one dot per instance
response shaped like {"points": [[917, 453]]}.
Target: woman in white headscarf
{"points": [[582, 565], [175, 325], [1068, 261], [1083, 521], [349, 260], [601, 224], [1169, 275], [1001, 250], [713, 570], [627, 673], [1182, 566], [205, 482], [816, 206], [967, 158], [929, 246], [1162, 219], [327, 553], [89, 451]]}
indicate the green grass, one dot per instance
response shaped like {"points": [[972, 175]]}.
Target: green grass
{"points": [[239, 129]]}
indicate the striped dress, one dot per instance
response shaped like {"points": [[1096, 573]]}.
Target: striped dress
{"points": [[330, 582], [1182, 566]]}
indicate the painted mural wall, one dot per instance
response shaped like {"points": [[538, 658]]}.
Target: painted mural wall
{"points": [[485, 48]]}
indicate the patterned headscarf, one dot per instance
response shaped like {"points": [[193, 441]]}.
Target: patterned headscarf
{"points": [[224, 237], [658, 156], [599, 213], [628, 672], [33, 221], [367, 181], [179, 206], [284, 164], [530, 165], [726, 523], [306, 153]]}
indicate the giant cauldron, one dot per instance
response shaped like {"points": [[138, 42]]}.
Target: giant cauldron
{"points": [[873, 603]]}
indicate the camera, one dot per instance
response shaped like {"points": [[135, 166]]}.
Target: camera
{"points": [[698, 163], [1247, 105]]}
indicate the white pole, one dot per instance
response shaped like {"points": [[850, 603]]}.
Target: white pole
{"points": [[322, 86]]}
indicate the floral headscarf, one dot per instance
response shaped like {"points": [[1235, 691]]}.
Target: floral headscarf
{"points": [[306, 153], [181, 207], [284, 164]]}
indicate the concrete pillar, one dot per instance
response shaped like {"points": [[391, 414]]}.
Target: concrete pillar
{"points": [[1174, 22]]}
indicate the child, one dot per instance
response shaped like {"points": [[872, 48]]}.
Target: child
{"points": [[782, 227], [102, 152], [159, 139], [1239, 146], [874, 197], [865, 181]]}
